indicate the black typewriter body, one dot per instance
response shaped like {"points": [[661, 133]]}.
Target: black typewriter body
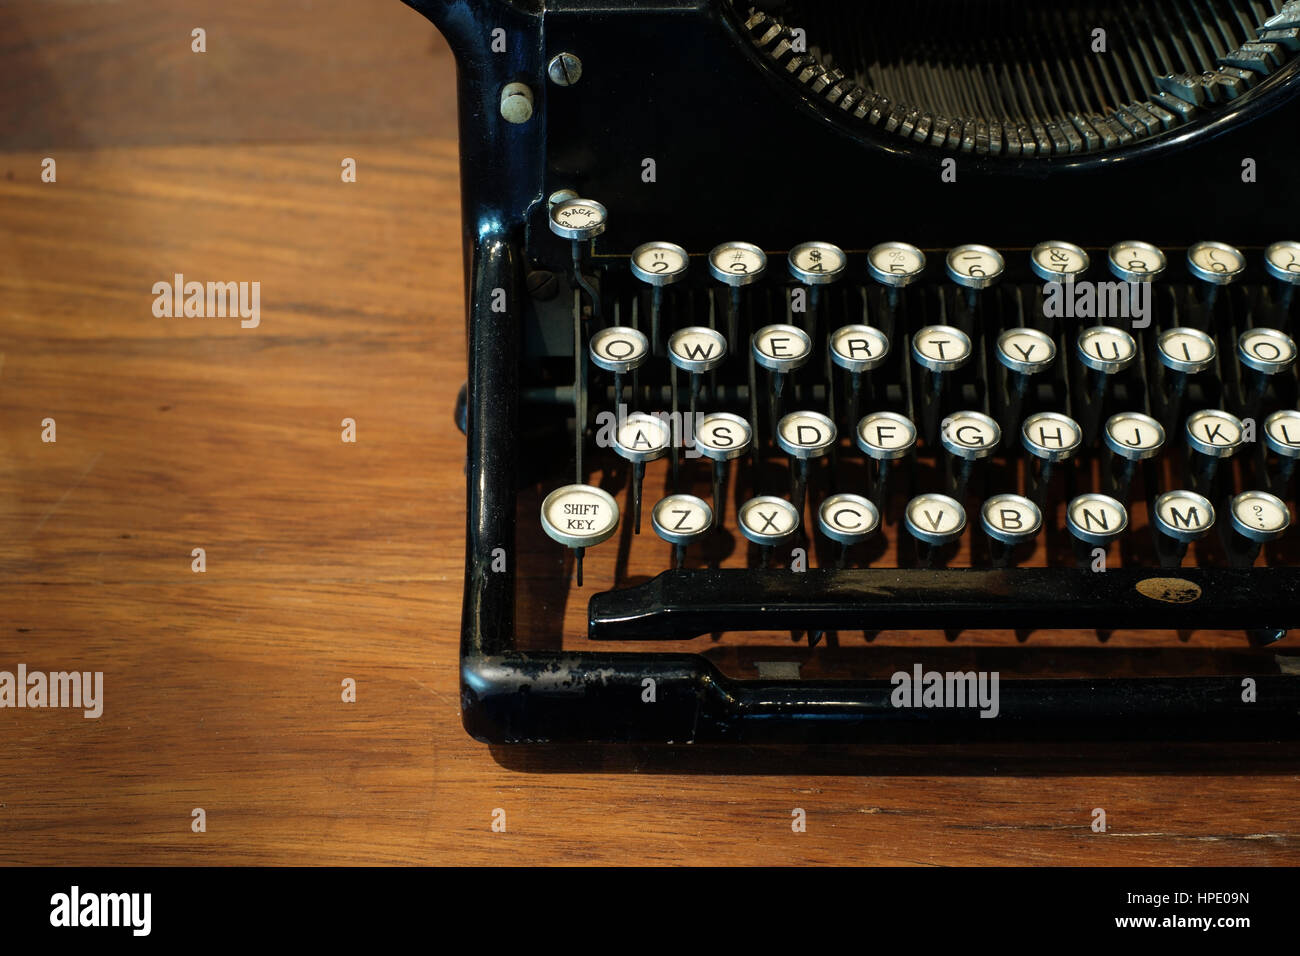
{"points": [[700, 123]]}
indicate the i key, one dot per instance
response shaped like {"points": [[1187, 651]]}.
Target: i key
{"points": [[847, 520], [767, 521], [1182, 352], [1009, 521], [619, 350], [1181, 517], [579, 517], [1257, 517], [580, 220], [934, 521], [679, 520], [639, 439], [659, 265], [721, 437], [1131, 437], [1094, 521], [736, 265], [804, 436]]}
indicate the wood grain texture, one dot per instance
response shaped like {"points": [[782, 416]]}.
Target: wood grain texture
{"points": [[328, 560]]}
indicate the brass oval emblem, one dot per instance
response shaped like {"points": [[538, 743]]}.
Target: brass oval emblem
{"points": [[1169, 590]]}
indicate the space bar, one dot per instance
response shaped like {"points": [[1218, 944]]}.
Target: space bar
{"points": [[685, 604]]}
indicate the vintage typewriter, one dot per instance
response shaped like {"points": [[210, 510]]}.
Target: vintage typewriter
{"points": [[880, 372]]}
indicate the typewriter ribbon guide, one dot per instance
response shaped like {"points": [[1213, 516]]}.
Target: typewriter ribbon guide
{"points": [[779, 278]]}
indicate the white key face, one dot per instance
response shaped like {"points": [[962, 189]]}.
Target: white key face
{"points": [[697, 349], [814, 259], [680, 518], [1266, 350], [1105, 348], [579, 215], [1011, 518], [579, 516], [643, 437], [1026, 350], [723, 436], [885, 435], [1096, 519], [1186, 350], [1184, 514], [619, 349], [1282, 259], [970, 434], [1133, 435], [935, 519], [1136, 260], [767, 520], [1282, 431], [941, 348], [782, 347], [858, 347], [895, 259], [1260, 512], [738, 260], [1051, 436], [805, 434], [848, 518], [660, 259], [976, 262], [1060, 258], [1213, 432], [1216, 258]]}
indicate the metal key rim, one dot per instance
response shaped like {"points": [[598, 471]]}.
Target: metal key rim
{"points": [[580, 541]]}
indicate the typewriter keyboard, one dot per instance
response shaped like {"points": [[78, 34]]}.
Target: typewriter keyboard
{"points": [[820, 441]]}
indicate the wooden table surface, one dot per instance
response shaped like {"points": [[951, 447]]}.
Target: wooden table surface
{"points": [[328, 560]]}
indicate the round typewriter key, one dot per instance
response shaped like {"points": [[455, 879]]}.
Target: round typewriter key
{"points": [[816, 263], [895, 264], [1185, 350], [722, 436], [695, 349], [1026, 351], [941, 348], [847, 520], [619, 349], [641, 438], [1095, 521], [1051, 436], [781, 348], [1131, 437], [767, 521], [1181, 517], [803, 436], [1259, 516], [968, 437], [660, 263], [578, 219], [1009, 520], [1214, 433], [1282, 260], [1282, 436], [933, 520], [1058, 261], [858, 348], [885, 437], [679, 520], [579, 517], [1266, 350], [1106, 349], [737, 263], [974, 266], [1215, 262], [1135, 261]]}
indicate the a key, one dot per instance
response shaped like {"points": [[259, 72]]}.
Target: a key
{"points": [[858, 349], [1212, 434], [886, 437], [659, 265], [1094, 520], [1215, 264], [1257, 517], [695, 350], [975, 268], [579, 517], [736, 265], [804, 436], [1105, 351], [680, 520], [767, 521], [641, 438], [1131, 437], [895, 265], [968, 437], [1180, 517], [1282, 260], [1265, 353], [722, 437], [815, 264], [1009, 521], [934, 520], [1282, 436], [1049, 437], [939, 350], [580, 220], [619, 350], [847, 520], [780, 349]]}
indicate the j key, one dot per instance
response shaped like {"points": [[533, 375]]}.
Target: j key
{"points": [[579, 517], [767, 521], [934, 521], [1094, 521], [804, 436], [1009, 521], [1282, 260], [1282, 436], [895, 265], [659, 265], [1180, 517], [619, 350], [848, 520], [1049, 437], [1212, 434], [721, 437], [974, 268], [1257, 517], [968, 437], [680, 520], [1215, 264], [580, 220], [1131, 437], [639, 439], [887, 437]]}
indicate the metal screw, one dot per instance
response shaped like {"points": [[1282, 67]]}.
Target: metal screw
{"points": [[565, 69], [516, 103]]}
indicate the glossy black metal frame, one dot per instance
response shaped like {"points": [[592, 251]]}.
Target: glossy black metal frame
{"points": [[514, 696]]}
